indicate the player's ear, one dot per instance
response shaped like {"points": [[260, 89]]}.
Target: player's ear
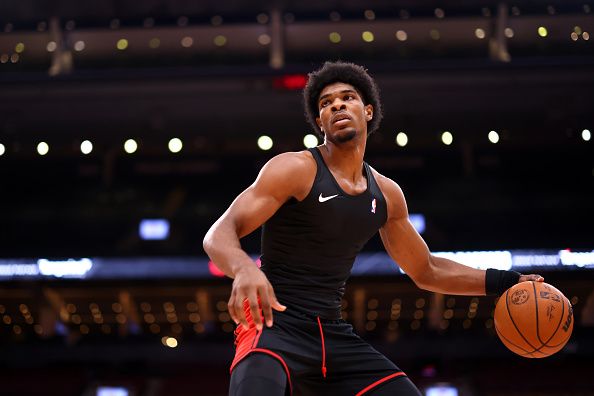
{"points": [[319, 122], [368, 112]]}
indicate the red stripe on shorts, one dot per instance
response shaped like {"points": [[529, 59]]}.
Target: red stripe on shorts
{"points": [[246, 342], [381, 381]]}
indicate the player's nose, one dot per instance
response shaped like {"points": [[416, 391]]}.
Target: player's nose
{"points": [[338, 104]]}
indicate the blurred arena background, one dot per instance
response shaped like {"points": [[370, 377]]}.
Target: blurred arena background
{"points": [[127, 127]]}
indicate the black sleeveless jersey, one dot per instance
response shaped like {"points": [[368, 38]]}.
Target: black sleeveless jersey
{"points": [[309, 246]]}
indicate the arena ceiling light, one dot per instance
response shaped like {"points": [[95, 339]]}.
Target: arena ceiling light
{"points": [[42, 148], [79, 46], [367, 36], [170, 342], [334, 37], [130, 146], [122, 44], [2, 149], [265, 142], [401, 139], [586, 135], [264, 39], [175, 145], [187, 42], [220, 40], [86, 147], [310, 140], [493, 137], [447, 138]]}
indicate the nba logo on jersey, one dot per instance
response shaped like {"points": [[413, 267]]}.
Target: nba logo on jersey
{"points": [[373, 206]]}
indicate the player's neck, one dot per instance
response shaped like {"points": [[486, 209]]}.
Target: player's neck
{"points": [[345, 158]]}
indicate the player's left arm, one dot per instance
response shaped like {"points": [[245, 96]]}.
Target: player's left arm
{"points": [[404, 244]]}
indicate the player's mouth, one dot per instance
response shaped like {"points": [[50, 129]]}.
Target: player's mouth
{"points": [[340, 118]]}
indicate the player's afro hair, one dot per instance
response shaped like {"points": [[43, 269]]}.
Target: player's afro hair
{"points": [[347, 73]]}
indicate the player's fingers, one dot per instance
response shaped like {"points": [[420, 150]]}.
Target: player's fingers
{"points": [[255, 309], [274, 301], [239, 311], [531, 277], [266, 308]]}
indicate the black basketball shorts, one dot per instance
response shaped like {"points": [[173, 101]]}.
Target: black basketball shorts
{"points": [[319, 356]]}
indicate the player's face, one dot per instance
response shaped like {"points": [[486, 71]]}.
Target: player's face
{"points": [[343, 114]]}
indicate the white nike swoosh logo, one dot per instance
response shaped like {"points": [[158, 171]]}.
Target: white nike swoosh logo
{"points": [[324, 199]]}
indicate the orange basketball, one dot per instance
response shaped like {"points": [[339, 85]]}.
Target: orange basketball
{"points": [[533, 319]]}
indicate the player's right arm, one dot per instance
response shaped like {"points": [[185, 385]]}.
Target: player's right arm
{"points": [[284, 176]]}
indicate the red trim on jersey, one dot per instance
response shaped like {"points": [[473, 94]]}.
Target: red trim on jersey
{"points": [[381, 381]]}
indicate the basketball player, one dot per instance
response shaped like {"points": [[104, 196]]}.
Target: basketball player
{"points": [[318, 208]]}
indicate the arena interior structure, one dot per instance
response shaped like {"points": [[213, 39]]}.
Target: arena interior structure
{"points": [[127, 127]]}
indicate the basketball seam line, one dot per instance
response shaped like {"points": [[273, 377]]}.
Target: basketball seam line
{"points": [[536, 311], [557, 329], [514, 322], [506, 339], [544, 343]]}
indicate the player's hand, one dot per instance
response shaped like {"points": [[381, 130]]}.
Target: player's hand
{"points": [[531, 277], [251, 283]]}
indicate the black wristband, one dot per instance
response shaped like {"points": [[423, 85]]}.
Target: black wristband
{"points": [[498, 281]]}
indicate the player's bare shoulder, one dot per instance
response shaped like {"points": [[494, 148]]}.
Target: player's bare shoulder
{"points": [[387, 185], [291, 164], [294, 172]]}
